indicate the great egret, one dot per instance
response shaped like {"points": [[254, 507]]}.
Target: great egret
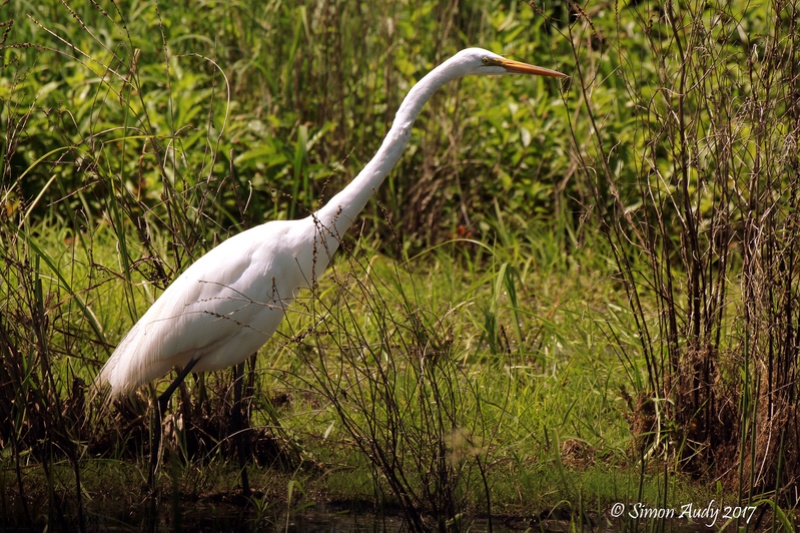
{"points": [[227, 304]]}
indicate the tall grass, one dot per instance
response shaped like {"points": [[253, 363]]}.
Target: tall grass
{"points": [[707, 198], [557, 301]]}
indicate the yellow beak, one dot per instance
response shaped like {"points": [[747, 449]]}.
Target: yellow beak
{"points": [[517, 67]]}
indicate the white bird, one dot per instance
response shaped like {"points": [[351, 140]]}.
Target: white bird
{"points": [[227, 304]]}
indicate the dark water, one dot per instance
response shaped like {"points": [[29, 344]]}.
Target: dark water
{"points": [[222, 514], [335, 519]]}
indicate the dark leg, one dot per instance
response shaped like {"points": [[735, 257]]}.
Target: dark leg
{"points": [[239, 427], [161, 407]]}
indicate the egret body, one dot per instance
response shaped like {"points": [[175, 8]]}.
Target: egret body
{"points": [[227, 304]]}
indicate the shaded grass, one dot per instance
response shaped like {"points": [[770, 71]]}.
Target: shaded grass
{"points": [[206, 497]]}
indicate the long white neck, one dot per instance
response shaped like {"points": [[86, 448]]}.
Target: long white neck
{"points": [[340, 212]]}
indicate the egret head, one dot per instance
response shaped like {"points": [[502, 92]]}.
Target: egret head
{"points": [[477, 61]]}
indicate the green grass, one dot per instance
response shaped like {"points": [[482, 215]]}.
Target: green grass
{"points": [[521, 323], [520, 394]]}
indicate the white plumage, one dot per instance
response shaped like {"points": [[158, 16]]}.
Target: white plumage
{"points": [[223, 308]]}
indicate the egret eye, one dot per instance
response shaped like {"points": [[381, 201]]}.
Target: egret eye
{"points": [[485, 60]]}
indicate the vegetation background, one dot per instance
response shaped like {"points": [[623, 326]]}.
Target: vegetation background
{"points": [[566, 294]]}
